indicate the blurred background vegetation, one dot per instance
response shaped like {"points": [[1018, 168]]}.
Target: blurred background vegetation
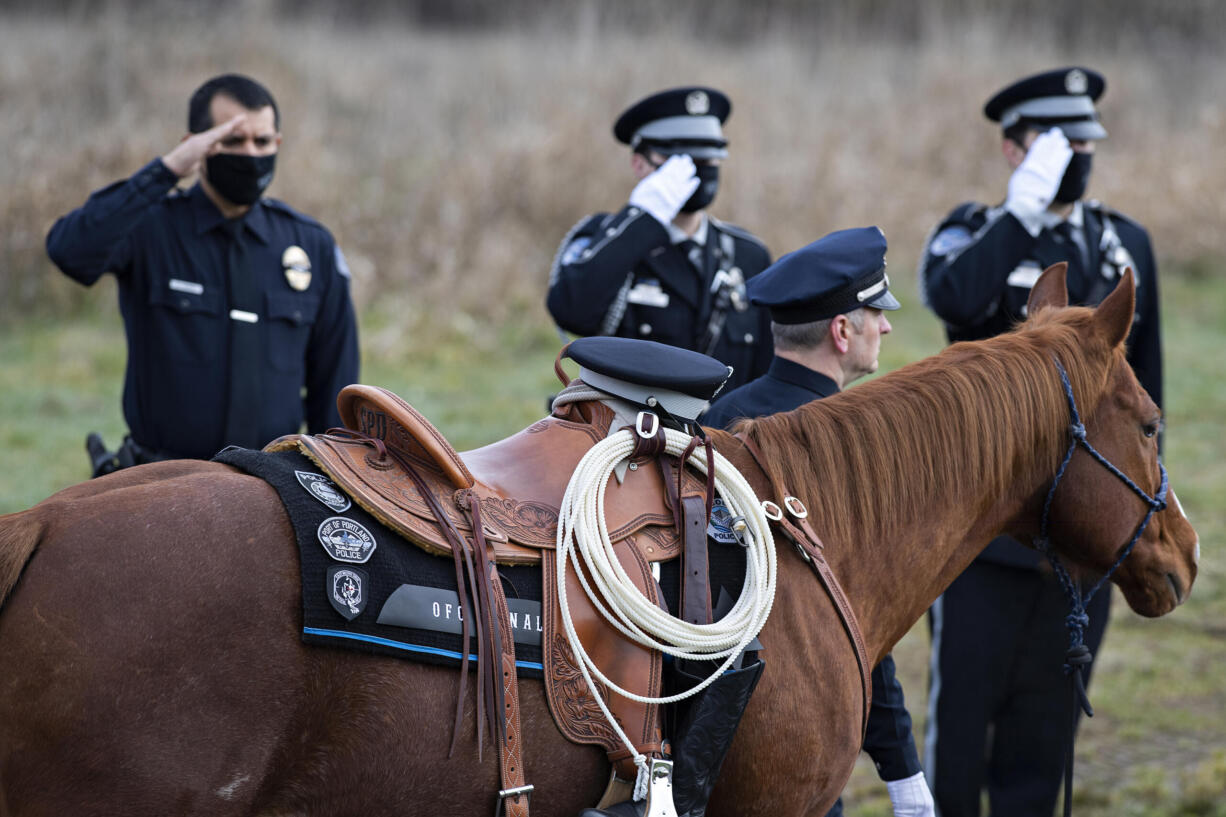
{"points": [[450, 145]]}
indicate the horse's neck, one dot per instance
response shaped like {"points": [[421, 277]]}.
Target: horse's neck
{"points": [[893, 575]]}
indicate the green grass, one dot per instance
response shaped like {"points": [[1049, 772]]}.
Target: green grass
{"points": [[1155, 745]]}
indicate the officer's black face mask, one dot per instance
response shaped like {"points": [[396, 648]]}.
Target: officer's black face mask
{"points": [[708, 186], [240, 179], [1076, 178]]}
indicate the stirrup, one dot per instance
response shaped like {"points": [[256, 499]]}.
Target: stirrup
{"points": [[659, 800]]}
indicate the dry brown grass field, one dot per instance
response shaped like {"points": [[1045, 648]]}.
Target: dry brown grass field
{"points": [[449, 162]]}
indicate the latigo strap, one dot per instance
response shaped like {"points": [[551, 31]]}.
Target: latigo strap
{"points": [[811, 550]]}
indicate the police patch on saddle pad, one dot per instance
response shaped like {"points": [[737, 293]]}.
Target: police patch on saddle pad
{"points": [[365, 588]]}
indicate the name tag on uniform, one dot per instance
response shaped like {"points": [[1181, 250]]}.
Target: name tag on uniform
{"points": [[190, 287], [244, 316], [647, 293]]}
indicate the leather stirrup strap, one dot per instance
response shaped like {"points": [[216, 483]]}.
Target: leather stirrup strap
{"points": [[515, 795], [811, 549], [696, 583]]}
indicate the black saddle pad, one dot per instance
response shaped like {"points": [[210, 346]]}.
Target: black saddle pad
{"points": [[365, 588]]}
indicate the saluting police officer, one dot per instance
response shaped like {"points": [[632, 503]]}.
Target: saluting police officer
{"points": [[236, 307], [827, 305], [998, 632], [661, 268]]}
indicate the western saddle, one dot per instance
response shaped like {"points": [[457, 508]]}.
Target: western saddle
{"points": [[499, 505]]}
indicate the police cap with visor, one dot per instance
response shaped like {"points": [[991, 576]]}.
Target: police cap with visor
{"points": [[836, 274], [680, 120], [648, 373], [1063, 98]]}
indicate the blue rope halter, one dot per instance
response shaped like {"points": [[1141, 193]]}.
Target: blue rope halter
{"points": [[1077, 659], [1078, 656]]}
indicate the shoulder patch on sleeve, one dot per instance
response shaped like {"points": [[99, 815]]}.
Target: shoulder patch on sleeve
{"points": [[950, 240], [574, 250], [342, 266]]}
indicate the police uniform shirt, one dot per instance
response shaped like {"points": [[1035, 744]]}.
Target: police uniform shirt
{"points": [[980, 264], [787, 386], [170, 256], [621, 274]]}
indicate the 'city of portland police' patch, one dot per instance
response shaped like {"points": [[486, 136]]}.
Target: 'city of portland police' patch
{"points": [[346, 540], [320, 487], [719, 527], [346, 587]]}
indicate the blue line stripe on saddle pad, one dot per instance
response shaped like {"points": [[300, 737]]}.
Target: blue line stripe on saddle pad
{"points": [[387, 642]]}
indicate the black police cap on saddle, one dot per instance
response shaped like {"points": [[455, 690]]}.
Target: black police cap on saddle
{"points": [[679, 120], [680, 380], [834, 275], [1063, 98]]}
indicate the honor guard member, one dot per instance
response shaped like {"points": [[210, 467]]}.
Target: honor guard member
{"points": [[661, 268], [236, 307], [827, 304], [998, 632]]}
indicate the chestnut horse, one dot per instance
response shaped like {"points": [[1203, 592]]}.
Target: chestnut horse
{"points": [[150, 661]]}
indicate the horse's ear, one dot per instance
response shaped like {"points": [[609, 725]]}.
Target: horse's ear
{"points": [[1050, 290], [1114, 315]]}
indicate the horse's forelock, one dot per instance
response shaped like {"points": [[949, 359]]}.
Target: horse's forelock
{"points": [[872, 459]]}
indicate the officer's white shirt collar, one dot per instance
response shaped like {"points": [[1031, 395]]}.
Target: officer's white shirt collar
{"points": [[676, 235]]}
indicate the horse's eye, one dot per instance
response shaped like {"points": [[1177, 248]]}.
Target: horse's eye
{"points": [[1153, 428]]}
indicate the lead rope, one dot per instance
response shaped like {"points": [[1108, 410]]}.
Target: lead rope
{"points": [[583, 534], [1078, 657]]}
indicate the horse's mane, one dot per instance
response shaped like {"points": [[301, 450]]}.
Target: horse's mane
{"points": [[978, 414]]}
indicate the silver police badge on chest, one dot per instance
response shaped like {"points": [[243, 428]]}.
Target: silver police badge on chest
{"points": [[346, 587], [324, 490], [346, 540], [297, 267]]}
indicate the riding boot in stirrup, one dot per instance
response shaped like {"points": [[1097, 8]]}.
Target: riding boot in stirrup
{"points": [[704, 736]]}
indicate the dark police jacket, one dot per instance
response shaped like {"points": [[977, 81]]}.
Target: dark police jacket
{"points": [[619, 274], [786, 386], [170, 255], [980, 263]]}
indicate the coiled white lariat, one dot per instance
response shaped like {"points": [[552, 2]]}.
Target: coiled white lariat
{"points": [[582, 532]]}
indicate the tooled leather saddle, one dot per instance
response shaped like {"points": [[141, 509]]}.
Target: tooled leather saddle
{"points": [[499, 505]]}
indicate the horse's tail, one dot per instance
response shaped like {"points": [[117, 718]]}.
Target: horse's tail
{"points": [[20, 534]]}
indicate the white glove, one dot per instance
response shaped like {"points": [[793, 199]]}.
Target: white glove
{"points": [[1033, 186], [663, 192], [911, 797]]}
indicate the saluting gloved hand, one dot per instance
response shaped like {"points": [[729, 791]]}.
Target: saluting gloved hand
{"points": [[1033, 186], [911, 797], [663, 192]]}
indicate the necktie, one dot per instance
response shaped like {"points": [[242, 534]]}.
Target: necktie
{"points": [[1075, 238], [243, 400], [692, 250]]}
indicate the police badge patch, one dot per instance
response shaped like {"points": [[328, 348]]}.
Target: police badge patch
{"points": [[720, 526], [346, 540], [324, 490], [346, 588]]}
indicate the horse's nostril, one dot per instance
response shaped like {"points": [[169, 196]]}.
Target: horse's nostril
{"points": [[1176, 590]]}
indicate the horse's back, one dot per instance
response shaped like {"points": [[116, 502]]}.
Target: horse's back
{"points": [[151, 663], [154, 608]]}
